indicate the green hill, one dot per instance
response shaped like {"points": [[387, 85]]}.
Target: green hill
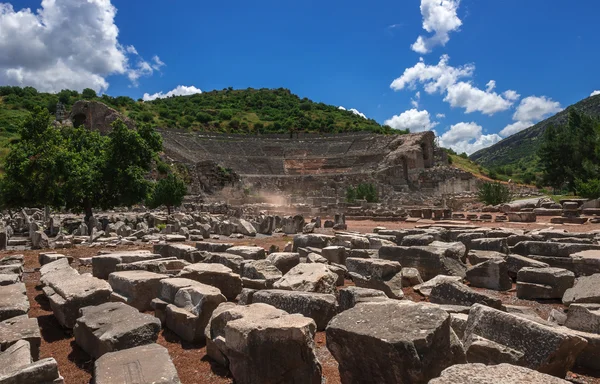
{"points": [[518, 151], [248, 111]]}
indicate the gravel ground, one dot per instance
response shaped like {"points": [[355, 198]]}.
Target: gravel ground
{"points": [[190, 360]]}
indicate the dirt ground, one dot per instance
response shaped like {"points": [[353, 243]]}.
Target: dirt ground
{"points": [[192, 364]]}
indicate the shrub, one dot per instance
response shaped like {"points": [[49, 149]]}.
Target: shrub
{"points": [[362, 191], [494, 193], [589, 189]]}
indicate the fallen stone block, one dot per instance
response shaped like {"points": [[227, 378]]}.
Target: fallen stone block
{"points": [[584, 317], [476, 256], [216, 275], [312, 240], [16, 367], [48, 257], [111, 327], [9, 279], [351, 296], [335, 254], [136, 288], [284, 261], [260, 274], [494, 374], [426, 287], [410, 277], [180, 251], [546, 349], [543, 283], [21, 328], [514, 263], [494, 244], [213, 247], [320, 307], [491, 274], [429, 260], [239, 336], [379, 274], [144, 364], [541, 248], [308, 278], [13, 301], [104, 265], [167, 265], [248, 253], [414, 338], [585, 290], [455, 293]]}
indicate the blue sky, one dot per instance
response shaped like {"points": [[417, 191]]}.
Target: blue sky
{"points": [[341, 53]]}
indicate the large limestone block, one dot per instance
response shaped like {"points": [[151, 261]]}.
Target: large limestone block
{"points": [[21, 328], [584, 317], [136, 288], [308, 278], [494, 374], [585, 290], [312, 240], [111, 327], [213, 247], [514, 264], [260, 274], [543, 283], [351, 296], [426, 287], [144, 364], [248, 253], [180, 251], [379, 274], [191, 311], [542, 248], [263, 344], [429, 260], [320, 307], [284, 261], [546, 349], [335, 254], [216, 275], [494, 244], [455, 293], [491, 274], [166, 265], [392, 342], [229, 260], [49, 257], [104, 265], [16, 367], [13, 301]]}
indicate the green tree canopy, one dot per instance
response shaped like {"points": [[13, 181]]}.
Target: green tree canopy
{"points": [[168, 192], [76, 168]]}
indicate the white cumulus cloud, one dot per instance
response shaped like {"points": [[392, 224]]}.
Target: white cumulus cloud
{"points": [[595, 93], [467, 137], [531, 110], [439, 18], [440, 116], [180, 90], [66, 44], [444, 78], [413, 119], [355, 111]]}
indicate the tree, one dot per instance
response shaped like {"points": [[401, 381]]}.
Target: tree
{"points": [[494, 193], [76, 168], [89, 94], [168, 192]]}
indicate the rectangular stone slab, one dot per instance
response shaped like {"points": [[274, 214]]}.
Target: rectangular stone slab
{"points": [[13, 301]]}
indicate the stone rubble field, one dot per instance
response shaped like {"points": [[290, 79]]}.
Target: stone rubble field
{"points": [[187, 302]]}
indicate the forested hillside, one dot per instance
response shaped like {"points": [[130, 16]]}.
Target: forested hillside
{"points": [[248, 111]]}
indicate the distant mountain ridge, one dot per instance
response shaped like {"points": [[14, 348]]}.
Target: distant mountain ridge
{"points": [[522, 146]]}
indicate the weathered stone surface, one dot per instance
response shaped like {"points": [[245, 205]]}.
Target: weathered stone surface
{"points": [[491, 274], [320, 307], [180, 251], [476, 256], [48, 257], [111, 327], [166, 265], [213, 247], [150, 363], [351, 296], [284, 261], [585, 290], [379, 274], [21, 328], [430, 261], [392, 342], [216, 275], [104, 265], [68, 291], [308, 278], [39, 240], [13, 301], [514, 263], [542, 248], [136, 288], [482, 350], [248, 253], [426, 287], [494, 244], [191, 310], [16, 367], [260, 274], [412, 240], [455, 293], [495, 374], [584, 317], [543, 283], [335, 254], [410, 277], [234, 262], [241, 336], [312, 240], [458, 322], [546, 349], [9, 279]]}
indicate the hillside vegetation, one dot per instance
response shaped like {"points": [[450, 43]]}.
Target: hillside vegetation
{"points": [[518, 154], [248, 111]]}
